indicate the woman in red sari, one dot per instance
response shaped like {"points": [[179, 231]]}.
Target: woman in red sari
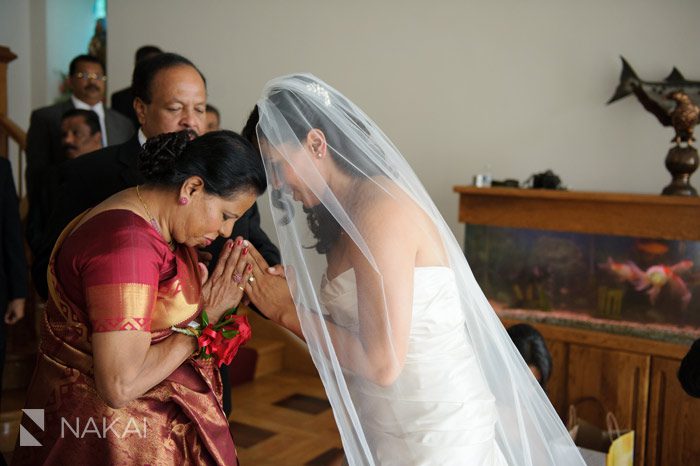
{"points": [[116, 383]]}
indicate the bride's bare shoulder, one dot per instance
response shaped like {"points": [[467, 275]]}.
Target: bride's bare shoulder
{"points": [[384, 204], [387, 194]]}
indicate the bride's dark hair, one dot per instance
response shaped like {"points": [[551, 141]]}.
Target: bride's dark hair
{"points": [[301, 115]]}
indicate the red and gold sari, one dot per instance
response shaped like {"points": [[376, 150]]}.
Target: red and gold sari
{"points": [[115, 273]]}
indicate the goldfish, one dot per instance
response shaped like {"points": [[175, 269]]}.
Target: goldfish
{"points": [[654, 279], [625, 272], [653, 248]]}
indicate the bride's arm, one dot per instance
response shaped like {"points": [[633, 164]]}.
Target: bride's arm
{"points": [[270, 292], [384, 294]]}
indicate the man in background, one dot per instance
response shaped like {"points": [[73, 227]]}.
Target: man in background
{"points": [[213, 118], [80, 134], [87, 83], [123, 100]]}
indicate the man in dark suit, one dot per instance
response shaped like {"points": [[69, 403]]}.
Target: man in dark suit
{"points": [[123, 100], [80, 134], [169, 95], [13, 268], [87, 83]]}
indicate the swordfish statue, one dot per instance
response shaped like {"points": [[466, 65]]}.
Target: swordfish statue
{"points": [[674, 101]]}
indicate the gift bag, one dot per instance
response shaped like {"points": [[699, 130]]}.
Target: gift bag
{"points": [[599, 447], [621, 450]]}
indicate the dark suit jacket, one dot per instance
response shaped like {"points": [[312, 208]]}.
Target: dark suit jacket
{"points": [[92, 178], [13, 266], [44, 154], [44, 138], [123, 102]]}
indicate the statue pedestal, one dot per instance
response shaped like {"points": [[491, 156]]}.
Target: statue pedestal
{"points": [[681, 162]]}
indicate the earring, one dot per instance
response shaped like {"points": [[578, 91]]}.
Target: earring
{"points": [[183, 201], [319, 155]]}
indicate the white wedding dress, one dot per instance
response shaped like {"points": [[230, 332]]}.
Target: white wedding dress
{"points": [[464, 394], [440, 410]]}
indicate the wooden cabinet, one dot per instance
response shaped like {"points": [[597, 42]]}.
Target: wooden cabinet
{"points": [[601, 380], [556, 386], [633, 378], [674, 418]]}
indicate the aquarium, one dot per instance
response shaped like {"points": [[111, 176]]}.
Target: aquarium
{"points": [[633, 282]]}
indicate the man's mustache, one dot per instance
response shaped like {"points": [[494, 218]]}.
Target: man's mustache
{"points": [[68, 147], [91, 87]]}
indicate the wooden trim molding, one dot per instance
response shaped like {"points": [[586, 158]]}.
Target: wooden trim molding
{"points": [[605, 340], [639, 215]]}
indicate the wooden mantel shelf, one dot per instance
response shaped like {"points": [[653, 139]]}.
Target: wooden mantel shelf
{"points": [[637, 215]]}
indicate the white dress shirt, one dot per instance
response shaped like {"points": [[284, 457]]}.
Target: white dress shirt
{"points": [[142, 137]]}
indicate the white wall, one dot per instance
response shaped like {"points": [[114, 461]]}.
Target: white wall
{"points": [[69, 26], [45, 35], [519, 85]]}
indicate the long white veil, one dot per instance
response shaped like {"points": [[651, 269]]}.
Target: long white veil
{"points": [[416, 364]]}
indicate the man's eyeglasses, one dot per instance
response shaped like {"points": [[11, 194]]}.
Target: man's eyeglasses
{"points": [[88, 76]]}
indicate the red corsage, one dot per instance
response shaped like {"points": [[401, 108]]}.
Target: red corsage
{"points": [[219, 341]]}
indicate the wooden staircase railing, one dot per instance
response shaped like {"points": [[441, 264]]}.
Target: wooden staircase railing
{"points": [[9, 130], [14, 132]]}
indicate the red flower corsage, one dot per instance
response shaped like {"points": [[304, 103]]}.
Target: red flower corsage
{"points": [[221, 340]]}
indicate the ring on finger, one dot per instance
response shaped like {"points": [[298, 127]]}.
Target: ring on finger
{"points": [[237, 277], [251, 279], [241, 288]]}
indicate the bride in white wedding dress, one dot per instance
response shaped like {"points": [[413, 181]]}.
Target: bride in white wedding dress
{"points": [[416, 365], [439, 409]]}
